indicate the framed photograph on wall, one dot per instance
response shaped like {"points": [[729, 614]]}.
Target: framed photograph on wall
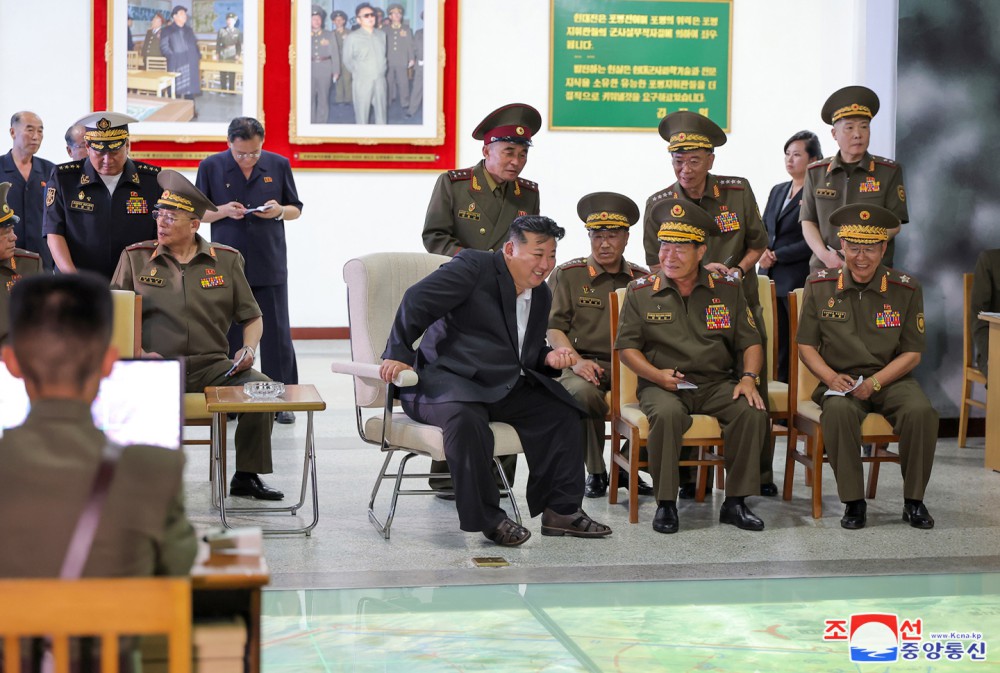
{"points": [[183, 68], [367, 75]]}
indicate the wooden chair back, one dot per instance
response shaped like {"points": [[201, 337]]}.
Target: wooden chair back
{"points": [[103, 608], [126, 328], [156, 63], [768, 306], [967, 350], [801, 381]]}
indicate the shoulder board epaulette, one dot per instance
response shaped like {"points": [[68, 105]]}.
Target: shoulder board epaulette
{"points": [[638, 269], [460, 174], [899, 278], [70, 166], [227, 248], [142, 245], [731, 182], [666, 193], [27, 254], [884, 161], [645, 281], [822, 162], [148, 168], [573, 263], [528, 184], [722, 280], [822, 275]]}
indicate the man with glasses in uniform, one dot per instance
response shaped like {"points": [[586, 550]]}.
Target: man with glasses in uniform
{"points": [[97, 206]]}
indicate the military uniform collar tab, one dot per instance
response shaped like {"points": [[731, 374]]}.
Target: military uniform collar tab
{"points": [[865, 163], [130, 172]]}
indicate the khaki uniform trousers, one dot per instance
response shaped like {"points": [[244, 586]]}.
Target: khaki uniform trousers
{"points": [[253, 432], [591, 400], [744, 429], [913, 418]]}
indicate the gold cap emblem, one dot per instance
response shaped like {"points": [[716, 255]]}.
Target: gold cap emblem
{"points": [[103, 124], [864, 215], [519, 130], [677, 211]]}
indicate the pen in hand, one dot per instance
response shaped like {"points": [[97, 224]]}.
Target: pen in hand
{"points": [[237, 363], [832, 249]]}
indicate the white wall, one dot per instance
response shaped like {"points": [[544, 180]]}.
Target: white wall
{"points": [[788, 56]]}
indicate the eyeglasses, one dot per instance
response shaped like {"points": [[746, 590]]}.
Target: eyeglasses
{"points": [[366, 16], [866, 250], [169, 217], [247, 155], [606, 236]]}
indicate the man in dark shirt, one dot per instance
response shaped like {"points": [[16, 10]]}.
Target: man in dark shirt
{"points": [[27, 175]]}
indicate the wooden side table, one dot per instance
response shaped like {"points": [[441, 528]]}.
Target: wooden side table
{"points": [[224, 590], [223, 400]]}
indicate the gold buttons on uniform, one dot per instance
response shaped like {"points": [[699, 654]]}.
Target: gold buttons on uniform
{"points": [[482, 231]]}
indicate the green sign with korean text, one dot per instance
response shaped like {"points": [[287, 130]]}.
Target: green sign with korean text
{"points": [[625, 64]]}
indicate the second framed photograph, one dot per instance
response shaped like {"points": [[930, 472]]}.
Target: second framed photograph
{"points": [[365, 75], [184, 68]]}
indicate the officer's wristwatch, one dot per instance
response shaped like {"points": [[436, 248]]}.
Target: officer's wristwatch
{"points": [[755, 377], [876, 386], [281, 215]]}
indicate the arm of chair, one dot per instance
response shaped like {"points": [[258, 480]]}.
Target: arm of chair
{"points": [[363, 370]]}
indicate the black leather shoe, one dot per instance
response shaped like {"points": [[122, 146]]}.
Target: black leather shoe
{"points": [[665, 520], [738, 514], [285, 417], [644, 488], [769, 489], [915, 512], [687, 491], [249, 484], [445, 495], [597, 485], [855, 515]]}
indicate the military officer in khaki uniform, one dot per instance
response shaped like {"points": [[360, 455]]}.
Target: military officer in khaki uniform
{"points": [[192, 292], [579, 321], [325, 66], [473, 207], [691, 140], [852, 176], [15, 263], [343, 88], [867, 320], [681, 330], [985, 297], [401, 56]]}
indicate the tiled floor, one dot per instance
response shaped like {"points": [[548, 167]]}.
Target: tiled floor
{"points": [[427, 550]]}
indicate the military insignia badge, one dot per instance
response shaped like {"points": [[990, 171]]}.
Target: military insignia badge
{"points": [[268, 179], [153, 271], [887, 317], [727, 221], [136, 205], [831, 302], [213, 281], [593, 302], [920, 323], [81, 195], [902, 193], [750, 320], [677, 210], [588, 290], [522, 213], [472, 206], [822, 273], [717, 316], [50, 196], [715, 191], [150, 280], [864, 215], [869, 186], [84, 179]]}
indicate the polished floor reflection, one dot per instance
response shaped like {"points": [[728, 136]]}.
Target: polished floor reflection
{"points": [[935, 623]]}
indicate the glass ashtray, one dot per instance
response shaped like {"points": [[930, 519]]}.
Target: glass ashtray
{"points": [[264, 390]]}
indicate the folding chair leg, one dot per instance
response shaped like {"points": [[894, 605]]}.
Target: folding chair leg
{"points": [[383, 529], [963, 419], [508, 489]]}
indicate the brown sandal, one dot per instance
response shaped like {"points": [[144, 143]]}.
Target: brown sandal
{"points": [[578, 524], [509, 533]]}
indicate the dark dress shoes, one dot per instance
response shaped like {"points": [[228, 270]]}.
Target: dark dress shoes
{"points": [[285, 417], [687, 491], [665, 520], [915, 512], [249, 484], [769, 489], [597, 485], [855, 514], [738, 514], [644, 488]]}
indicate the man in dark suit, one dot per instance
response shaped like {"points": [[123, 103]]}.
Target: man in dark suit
{"points": [[483, 358], [786, 260]]}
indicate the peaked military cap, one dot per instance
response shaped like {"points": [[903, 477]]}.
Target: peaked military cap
{"points": [[105, 130], [851, 101], [514, 123], [686, 130], [863, 224], [7, 217], [682, 221], [320, 12], [232, 15], [607, 210], [180, 194], [337, 12], [393, 6]]}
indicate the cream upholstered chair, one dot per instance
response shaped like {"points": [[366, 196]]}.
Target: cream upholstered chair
{"points": [[103, 608], [375, 287], [777, 391], [970, 374], [805, 420], [628, 422]]}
